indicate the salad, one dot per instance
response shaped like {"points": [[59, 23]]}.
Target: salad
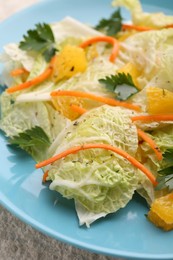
{"points": [[93, 107]]}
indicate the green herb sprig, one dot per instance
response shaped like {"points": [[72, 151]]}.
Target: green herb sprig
{"points": [[40, 39], [34, 137], [112, 25], [165, 175], [121, 84]]}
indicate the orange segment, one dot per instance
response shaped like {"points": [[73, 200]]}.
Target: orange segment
{"points": [[70, 61], [159, 101], [63, 105], [161, 212]]}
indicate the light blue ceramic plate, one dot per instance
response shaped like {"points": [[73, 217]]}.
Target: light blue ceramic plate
{"points": [[125, 234]]}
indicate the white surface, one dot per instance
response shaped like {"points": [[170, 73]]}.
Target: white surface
{"points": [[8, 7]]}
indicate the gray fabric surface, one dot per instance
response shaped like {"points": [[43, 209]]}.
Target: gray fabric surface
{"points": [[19, 241]]}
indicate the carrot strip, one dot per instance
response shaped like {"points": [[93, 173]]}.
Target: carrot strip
{"points": [[37, 80], [169, 26], [157, 118], [136, 27], [78, 109], [18, 72], [117, 150], [151, 143], [108, 101], [107, 39], [42, 77], [45, 175], [142, 28]]}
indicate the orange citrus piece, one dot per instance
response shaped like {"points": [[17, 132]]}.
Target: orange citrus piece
{"points": [[70, 61], [159, 101], [63, 105], [161, 212]]}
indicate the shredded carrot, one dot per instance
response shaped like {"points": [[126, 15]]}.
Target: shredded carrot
{"points": [[45, 175], [108, 101], [117, 150], [142, 28], [107, 39], [151, 143], [169, 26], [78, 109], [37, 80], [157, 118], [18, 72], [136, 27], [42, 77]]}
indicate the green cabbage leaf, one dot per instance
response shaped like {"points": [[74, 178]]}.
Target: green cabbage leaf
{"points": [[17, 118], [98, 180], [139, 17], [152, 53]]}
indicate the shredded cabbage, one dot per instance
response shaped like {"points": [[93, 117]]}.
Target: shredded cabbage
{"points": [[156, 20], [99, 181]]}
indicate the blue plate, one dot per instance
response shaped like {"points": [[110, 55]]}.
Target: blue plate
{"points": [[125, 234]]}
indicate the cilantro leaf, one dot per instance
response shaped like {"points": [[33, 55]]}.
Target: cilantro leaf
{"points": [[34, 141], [121, 84], [112, 25], [31, 137], [167, 171], [167, 158], [41, 40], [165, 175], [165, 178]]}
